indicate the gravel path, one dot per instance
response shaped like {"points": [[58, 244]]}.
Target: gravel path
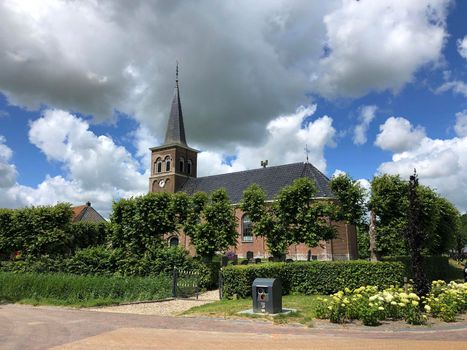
{"points": [[162, 308]]}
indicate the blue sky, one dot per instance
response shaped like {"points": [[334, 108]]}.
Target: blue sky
{"points": [[370, 87]]}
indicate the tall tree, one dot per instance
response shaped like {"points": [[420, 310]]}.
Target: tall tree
{"points": [[415, 237], [211, 224], [389, 203], [439, 218], [460, 239], [138, 224], [352, 208], [294, 216], [351, 196]]}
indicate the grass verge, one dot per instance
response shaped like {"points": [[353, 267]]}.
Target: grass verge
{"points": [[80, 291], [304, 304]]}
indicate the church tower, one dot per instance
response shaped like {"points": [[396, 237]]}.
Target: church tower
{"points": [[173, 162]]}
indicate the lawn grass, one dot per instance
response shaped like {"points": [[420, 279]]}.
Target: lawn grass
{"points": [[304, 304], [80, 291]]}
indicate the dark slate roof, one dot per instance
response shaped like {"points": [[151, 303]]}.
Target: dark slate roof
{"points": [[86, 213], [175, 133], [271, 179]]}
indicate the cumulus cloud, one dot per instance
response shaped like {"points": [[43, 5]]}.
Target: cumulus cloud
{"points": [[7, 170], [242, 63], [462, 47], [367, 114], [96, 169], [285, 143], [440, 164], [93, 161], [461, 123], [457, 86], [398, 135], [379, 45]]}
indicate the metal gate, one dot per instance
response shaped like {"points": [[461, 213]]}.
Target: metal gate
{"points": [[185, 284]]}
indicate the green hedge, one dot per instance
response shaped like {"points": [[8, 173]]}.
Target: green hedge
{"points": [[314, 277], [69, 289], [436, 267], [104, 261]]}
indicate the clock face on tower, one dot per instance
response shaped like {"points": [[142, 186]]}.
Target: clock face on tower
{"points": [[161, 183]]}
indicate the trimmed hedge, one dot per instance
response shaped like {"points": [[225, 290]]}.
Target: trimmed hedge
{"points": [[314, 277], [436, 267]]}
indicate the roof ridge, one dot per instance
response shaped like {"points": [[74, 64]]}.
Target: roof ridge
{"points": [[251, 170]]}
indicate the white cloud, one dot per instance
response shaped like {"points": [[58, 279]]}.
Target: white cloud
{"points": [[93, 161], [461, 123], [398, 135], [338, 172], [379, 45], [367, 114], [96, 169], [242, 62], [7, 170], [457, 86], [285, 143], [440, 164], [462, 47]]}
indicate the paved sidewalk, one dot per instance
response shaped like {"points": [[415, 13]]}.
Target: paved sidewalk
{"points": [[28, 327]]}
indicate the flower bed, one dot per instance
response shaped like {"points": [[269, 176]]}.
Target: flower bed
{"points": [[372, 305]]}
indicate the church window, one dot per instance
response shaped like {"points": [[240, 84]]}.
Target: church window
{"points": [[167, 163], [188, 167], [247, 234], [181, 165], [158, 165], [173, 241]]}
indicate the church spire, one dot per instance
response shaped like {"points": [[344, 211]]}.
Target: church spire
{"points": [[175, 129]]}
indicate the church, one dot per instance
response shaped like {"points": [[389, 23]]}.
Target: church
{"points": [[174, 169]]}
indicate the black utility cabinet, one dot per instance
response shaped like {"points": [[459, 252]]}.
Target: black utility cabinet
{"points": [[267, 295]]}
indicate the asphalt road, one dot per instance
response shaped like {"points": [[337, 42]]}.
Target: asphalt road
{"points": [[28, 327]]}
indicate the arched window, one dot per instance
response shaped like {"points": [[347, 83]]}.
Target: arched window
{"points": [[188, 167], [181, 165], [173, 241], [158, 165], [167, 163], [247, 234]]}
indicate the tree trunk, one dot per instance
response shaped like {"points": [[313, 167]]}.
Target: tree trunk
{"points": [[415, 238], [374, 255]]}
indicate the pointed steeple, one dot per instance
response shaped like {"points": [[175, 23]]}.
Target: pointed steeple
{"points": [[175, 133]]}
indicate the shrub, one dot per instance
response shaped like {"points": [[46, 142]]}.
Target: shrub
{"points": [[446, 301], [314, 277], [71, 289], [98, 260], [371, 305]]}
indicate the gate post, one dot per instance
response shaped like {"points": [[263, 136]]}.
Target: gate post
{"points": [[174, 284]]}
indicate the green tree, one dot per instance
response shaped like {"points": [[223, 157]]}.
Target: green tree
{"points": [[138, 224], [352, 208], [351, 199], [416, 236], [294, 216], [211, 224], [8, 241], [389, 201], [43, 230], [460, 239]]}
